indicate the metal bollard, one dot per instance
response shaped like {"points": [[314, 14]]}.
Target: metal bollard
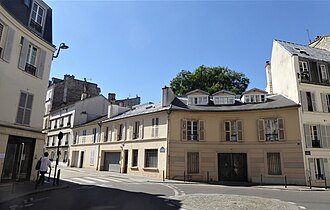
{"points": [[50, 171], [36, 185], [208, 177], [260, 179], [325, 182], [310, 182], [163, 175], [58, 176], [285, 182], [184, 176]]}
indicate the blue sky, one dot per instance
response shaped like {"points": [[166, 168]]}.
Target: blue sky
{"points": [[136, 47]]}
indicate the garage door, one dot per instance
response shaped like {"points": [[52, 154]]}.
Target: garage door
{"points": [[112, 161]]}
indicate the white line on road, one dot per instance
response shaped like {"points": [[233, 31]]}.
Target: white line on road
{"points": [[111, 179], [83, 180], [96, 179], [302, 207]]}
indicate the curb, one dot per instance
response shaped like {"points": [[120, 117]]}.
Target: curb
{"points": [[33, 192]]}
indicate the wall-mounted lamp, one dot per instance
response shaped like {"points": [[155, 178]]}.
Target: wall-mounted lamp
{"points": [[62, 46]]}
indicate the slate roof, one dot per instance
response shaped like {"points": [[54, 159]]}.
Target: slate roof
{"points": [[273, 102], [254, 89], [93, 122], [305, 51], [223, 91], [198, 91]]}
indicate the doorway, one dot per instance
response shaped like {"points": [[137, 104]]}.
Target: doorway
{"points": [[232, 167], [81, 159], [125, 161], [18, 159]]}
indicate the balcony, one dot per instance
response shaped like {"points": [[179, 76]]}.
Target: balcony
{"points": [[272, 137], [36, 26], [30, 69], [316, 144]]}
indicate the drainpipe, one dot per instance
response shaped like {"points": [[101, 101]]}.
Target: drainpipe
{"points": [[167, 142], [98, 147]]}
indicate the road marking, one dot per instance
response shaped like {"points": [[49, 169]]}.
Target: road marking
{"points": [[85, 187], [96, 179], [27, 205], [302, 207], [292, 203], [169, 204], [111, 179], [83, 180]]}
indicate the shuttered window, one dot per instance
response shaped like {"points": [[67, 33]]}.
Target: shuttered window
{"points": [[192, 130], [106, 134], [24, 109], [233, 130], [154, 129], [92, 158], [308, 101], [271, 129], [325, 102], [317, 136], [274, 163], [193, 162]]}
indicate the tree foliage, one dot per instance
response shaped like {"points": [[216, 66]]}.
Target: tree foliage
{"points": [[209, 79]]}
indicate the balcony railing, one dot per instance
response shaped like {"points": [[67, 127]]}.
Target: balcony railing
{"points": [[316, 143], [272, 137], [30, 69], [36, 26]]}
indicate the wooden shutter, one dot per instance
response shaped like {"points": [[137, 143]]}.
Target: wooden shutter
{"points": [[9, 44], [326, 168], [201, 132], [304, 100], [28, 109], [308, 139], [183, 129], [41, 66], [153, 127], [239, 130], [325, 136], [313, 102], [311, 168], [280, 122], [21, 108], [23, 55], [141, 130], [261, 129], [324, 102], [130, 130]]}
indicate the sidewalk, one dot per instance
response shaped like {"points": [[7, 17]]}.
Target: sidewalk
{"points": [[9, 191]]}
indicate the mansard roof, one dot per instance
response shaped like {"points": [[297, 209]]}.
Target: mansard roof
{"points": [[197, 91]]}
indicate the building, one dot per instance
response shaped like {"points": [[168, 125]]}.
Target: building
{"points": [[301, 73], [65, 118], [199, 137], [26, 52]]}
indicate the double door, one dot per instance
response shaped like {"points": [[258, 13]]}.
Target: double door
{"points": [[232, 167]]}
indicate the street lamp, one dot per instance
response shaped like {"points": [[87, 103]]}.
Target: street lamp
{"points": [[59, 136], [62, 46]]}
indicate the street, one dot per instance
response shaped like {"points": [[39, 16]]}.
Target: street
{"points": [[89, 189]]}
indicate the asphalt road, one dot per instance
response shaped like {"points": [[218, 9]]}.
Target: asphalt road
{"points": [[91, 189]]}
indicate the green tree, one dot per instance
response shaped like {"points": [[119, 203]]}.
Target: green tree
{"points": [[209, 79]]}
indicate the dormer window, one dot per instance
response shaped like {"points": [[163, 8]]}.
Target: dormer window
{"points": [[304, 71], [255, 98], [198, 100], [37, 17], [223, 100]]}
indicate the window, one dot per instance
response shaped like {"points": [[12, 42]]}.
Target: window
{"points": [[91, 160], [325, 102], [67, 135], [1, 37], [223, 100], [233, 130], [154, 129], [24, 109], [324, 74], [37, 17], [317, 136], [151, 158], [61, 121], [271, 129], [193, 162], [94, 135], [65, 156], [198, 100], [254, 98], [83, 137], [304, 71], [192, 130], [69, 121], [136, 130], [135, 153], [75, 138], [30, 66], [308, 101], [106, 134], [121, 133], [55, 124], [274, 163], [319, 168], [53, 140]]}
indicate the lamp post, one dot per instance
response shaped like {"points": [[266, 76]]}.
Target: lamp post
{"points": [[59, 136], [62, 46]]}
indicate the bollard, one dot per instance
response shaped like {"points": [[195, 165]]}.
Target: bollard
{"points": [[310, 182], [285, 182], [50, 171], [184, 176], [325, 182], [58, 176], [36, 186], [260, 179], [208, 177], [163, 175]]}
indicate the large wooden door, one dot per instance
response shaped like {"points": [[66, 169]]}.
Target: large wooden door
{"points": [[232, 167]]}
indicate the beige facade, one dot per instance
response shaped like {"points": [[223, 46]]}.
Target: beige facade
{"points": [[22, 91], [302, 74]]}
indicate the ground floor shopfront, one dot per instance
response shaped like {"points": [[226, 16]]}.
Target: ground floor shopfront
{"points": [[19, 153]]}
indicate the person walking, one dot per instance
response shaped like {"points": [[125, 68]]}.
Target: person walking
{"points": [[45, 164]]}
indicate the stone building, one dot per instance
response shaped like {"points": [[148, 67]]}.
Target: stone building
{"points": [[26, 52]]}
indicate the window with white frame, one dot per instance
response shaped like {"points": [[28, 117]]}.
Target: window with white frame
{"points": [[192, 130], [274, 163], [223, 100], [324, 73], [23, 116], [304, 71], [151, 158], [233, 130], [198, 100], [193, 162], [308, 101], [106, 134], [136, 130], [31, 60], [69, 121], [121, 132], [154, 128], [75, 138], [83, 139], [37, 17], [319, 168], [325, 97], [256, 98], [94, 135], [92, 158], [135, 154], [271, 129], [67, 137], [317, 136]]}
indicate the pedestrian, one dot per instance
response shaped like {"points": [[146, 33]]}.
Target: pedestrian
{"points": [[45, 164]]}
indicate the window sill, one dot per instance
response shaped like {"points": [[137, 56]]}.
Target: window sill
{"points": [[151, 169], [135, 168]]}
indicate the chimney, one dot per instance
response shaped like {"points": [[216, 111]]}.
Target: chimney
{"points": [[111, 98], [269, 87], [168, 96]]}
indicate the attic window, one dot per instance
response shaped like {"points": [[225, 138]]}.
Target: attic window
{"points": [[256, 98], [303, 52], [198, 100]]}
